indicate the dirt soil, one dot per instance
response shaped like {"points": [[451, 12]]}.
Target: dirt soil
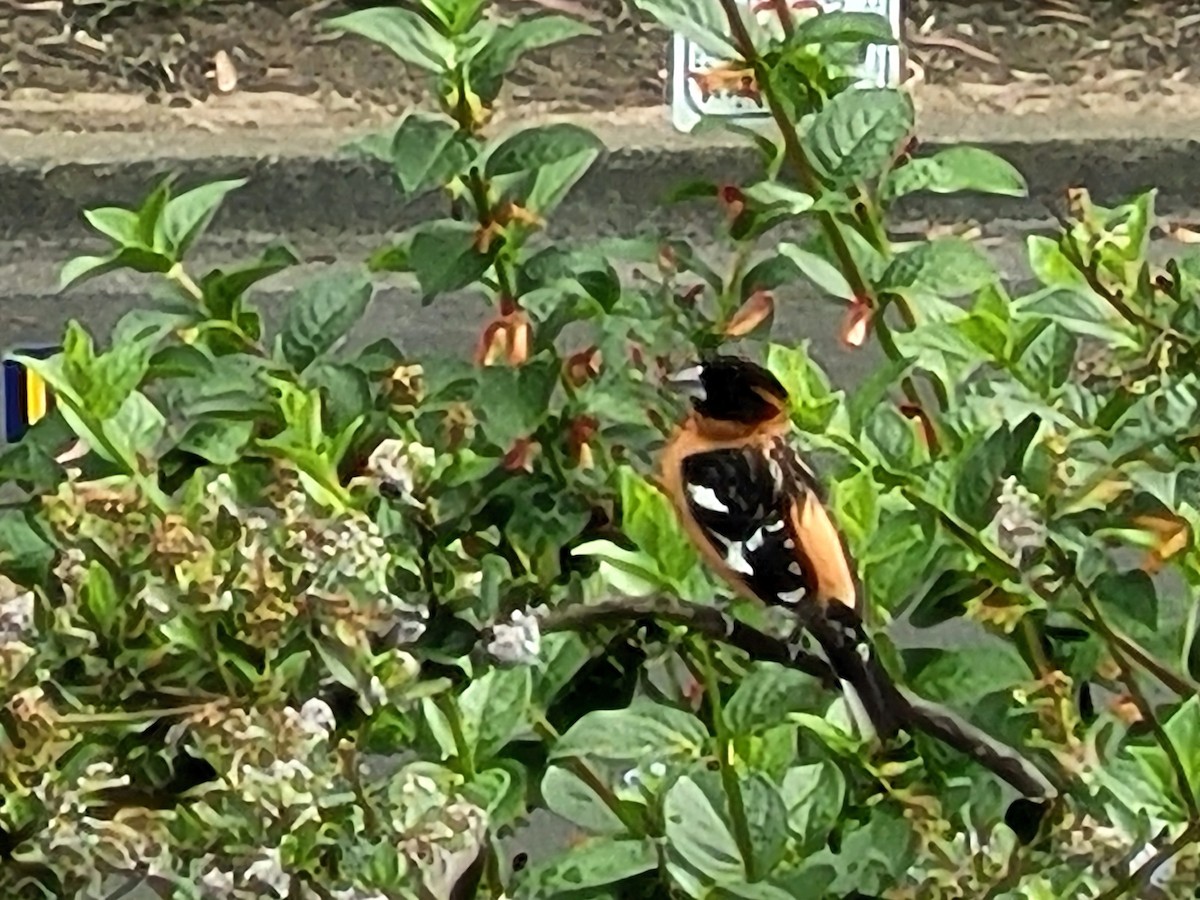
{"points": [[107, 54]]}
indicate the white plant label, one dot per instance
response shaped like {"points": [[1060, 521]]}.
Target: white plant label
{"points": [[689, 63]]}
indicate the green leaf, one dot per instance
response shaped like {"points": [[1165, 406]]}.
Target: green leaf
{"points": [[649, 520], [563, 655], [811, 397], [813, 795], [115, 222], [25, 556], [513, 402], [186, 216], [321, 314], [702, 22], [893, 437], [567, 796], [632, 572], [844, 27], [220, 441], [1183, 728], [494, 707], [758, 890], [776, 194], [942, 350], [945, 267], [957, 169], [595, 863], [766, 820], [698, 832], [223, 289], [1051, 266], [428, 150], [444, 256], [1131, 594], [1080, 312], [984, 466], [499, 791], [547, 161], [1046, 360], [502, 45], [643, 732], [454, 14], [100, 597], [82, 268], [103, 381], [765, 697], [404, 32], [856, 508], [822, 273], [965, 676], [876, 856], [858, 133]]}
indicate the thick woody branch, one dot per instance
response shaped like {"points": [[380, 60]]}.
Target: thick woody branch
{"points": [[932, 719]]}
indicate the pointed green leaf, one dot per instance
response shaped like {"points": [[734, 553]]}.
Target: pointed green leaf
{"points": [[187, 215], [859, 132], [402, 31], [594, 863], [957, 169], [321, 315]]}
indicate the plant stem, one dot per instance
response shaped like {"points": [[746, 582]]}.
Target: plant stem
{"points": [[1129, 679], [1138, 878], [931, 718], [588, 776], [725, 750], [1178, 683], [795, 154], [180, 277], [466, 755]]}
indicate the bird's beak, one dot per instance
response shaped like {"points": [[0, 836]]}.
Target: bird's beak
{"points": [[688, 382]]}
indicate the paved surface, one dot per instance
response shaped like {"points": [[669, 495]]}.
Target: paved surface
{"points": [[331, 206]]}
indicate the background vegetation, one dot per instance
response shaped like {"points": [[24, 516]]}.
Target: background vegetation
{"points": [[285, 617]]}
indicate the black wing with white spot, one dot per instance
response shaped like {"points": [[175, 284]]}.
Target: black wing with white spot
{"points": [[740, 498]]}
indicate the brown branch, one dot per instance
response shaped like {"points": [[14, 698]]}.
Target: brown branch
{"points": [[1129, 679], [806, 173], [1138, 878], [932, 719]]}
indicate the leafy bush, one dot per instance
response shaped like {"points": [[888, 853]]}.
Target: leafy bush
{"points": [[288, 616]]}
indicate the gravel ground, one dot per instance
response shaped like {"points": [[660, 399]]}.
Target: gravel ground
{"points": [[165, 51]]}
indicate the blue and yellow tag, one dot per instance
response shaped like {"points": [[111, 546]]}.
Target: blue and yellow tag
{"points": [[26, 397]]}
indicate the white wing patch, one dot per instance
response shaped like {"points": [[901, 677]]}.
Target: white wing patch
{"points": [[736, 558], [706, 497], [790, 597], [755, 541]]}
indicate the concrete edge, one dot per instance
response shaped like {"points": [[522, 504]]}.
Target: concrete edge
{"points": [[302, 181]]}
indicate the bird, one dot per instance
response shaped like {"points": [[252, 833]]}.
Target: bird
{"points": [[758, 517]]}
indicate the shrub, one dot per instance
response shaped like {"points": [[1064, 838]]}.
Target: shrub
{"points": [[288, 616]]}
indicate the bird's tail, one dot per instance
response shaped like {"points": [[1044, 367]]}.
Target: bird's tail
{"points": [[874, 701]]}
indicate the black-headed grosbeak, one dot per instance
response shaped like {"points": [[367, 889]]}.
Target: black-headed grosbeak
{"points": [[757, 515]]}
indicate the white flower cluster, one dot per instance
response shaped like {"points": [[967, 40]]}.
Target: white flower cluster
{"points": [[398, 467], [1020, 530], [517, 641], [128, 843], [16, 613]]}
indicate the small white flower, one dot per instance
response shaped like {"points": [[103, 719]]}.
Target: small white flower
{"points": [[316, 718], [1019, 528], [518, 641], [269, 870], [396, 463], [216, 882], [16, 617]]}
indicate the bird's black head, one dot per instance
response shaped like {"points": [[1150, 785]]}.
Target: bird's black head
{"points": [[732, 389]]}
